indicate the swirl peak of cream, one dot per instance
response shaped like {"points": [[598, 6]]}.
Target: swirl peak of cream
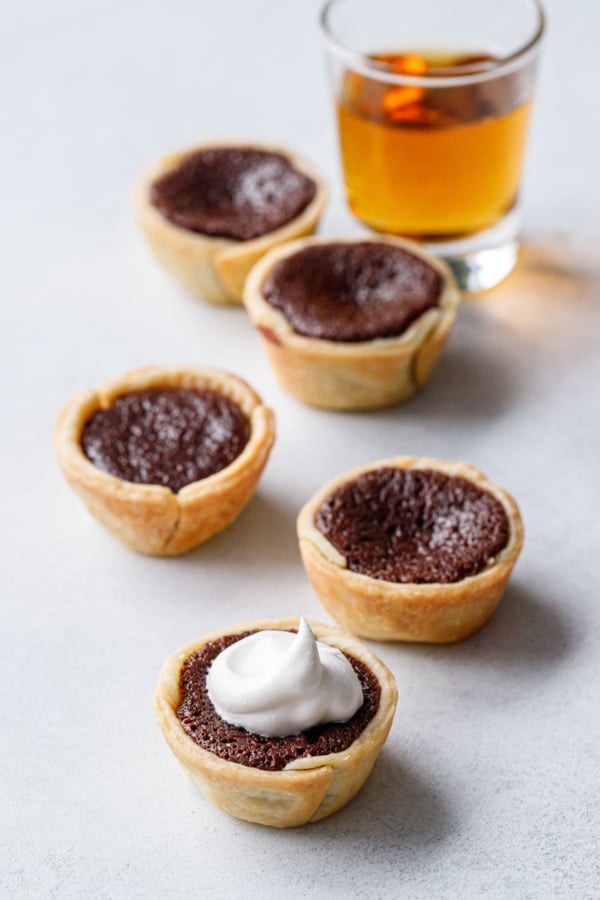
{"points": [[277, 683]]}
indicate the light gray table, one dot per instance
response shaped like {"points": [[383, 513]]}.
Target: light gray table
{"points": [[488, 784]]}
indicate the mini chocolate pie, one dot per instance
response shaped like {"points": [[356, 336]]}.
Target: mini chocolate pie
{"points": [[410, 549], [284, 781], [210, 212], [165, 457], [352, 323]]}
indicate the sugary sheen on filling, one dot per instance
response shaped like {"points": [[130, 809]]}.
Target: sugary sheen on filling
{"points": [[353, 291], [415, 526], [171, 436], [233, 192]]}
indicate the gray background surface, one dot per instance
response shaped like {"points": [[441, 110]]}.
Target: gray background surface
{"points": [[488, 784]]}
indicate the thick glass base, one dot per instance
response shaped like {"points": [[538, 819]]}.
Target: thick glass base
{"points": [[482, 261]]}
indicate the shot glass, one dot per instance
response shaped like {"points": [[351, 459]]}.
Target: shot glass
{"points": [[433, 101]]}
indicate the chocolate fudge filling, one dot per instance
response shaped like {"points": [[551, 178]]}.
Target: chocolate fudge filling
{"points": [[202, 723], [352, 292], [170, 436], [237, 193], [415, 526]]}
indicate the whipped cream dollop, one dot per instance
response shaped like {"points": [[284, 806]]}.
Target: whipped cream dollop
{"points": [[276, 683]]}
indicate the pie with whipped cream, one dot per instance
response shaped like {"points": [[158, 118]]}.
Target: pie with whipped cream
{"points": [[286, 779], [410, 549], [211, 211], [165, 458], [352, 323]]}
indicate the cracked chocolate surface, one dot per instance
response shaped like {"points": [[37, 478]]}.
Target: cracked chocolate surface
{"points": [[203, 724], [233, 192], [170, 436], [415, 526], [352, 291]]}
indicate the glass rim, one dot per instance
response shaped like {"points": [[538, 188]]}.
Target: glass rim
{"points": [[360, 62]]}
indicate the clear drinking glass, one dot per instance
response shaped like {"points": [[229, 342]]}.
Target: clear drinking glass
{"points": [[433, 100]]}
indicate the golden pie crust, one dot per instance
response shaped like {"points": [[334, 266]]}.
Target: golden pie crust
{"points": [[351, 375], [308, 789], [152, 518], [386, 611], [215, 268]]}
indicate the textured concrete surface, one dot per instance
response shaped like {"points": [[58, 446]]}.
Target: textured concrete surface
{"points": [[488, 784]]}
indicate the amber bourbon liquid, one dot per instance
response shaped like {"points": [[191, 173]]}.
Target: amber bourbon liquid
{"points": [[435, 163]]}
